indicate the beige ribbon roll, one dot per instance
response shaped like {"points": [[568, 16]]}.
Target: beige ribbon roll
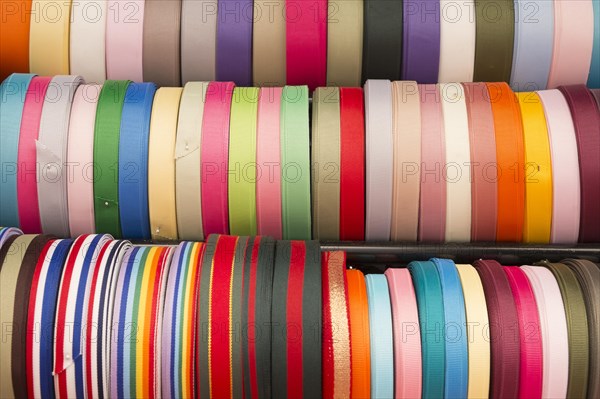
{"points": [[344, 43], [49, 37], [269, 46]]}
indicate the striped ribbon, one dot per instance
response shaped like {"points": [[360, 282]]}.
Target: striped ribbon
{"points": [[6, 233], [137, 315], [337, 364], [40, 319], [296, 333], [99, 318], [71, 313], [179, 322]]}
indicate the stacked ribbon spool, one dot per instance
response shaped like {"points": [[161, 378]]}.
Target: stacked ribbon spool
{"points": [[531, 44], [254, 317], [402, 161]]}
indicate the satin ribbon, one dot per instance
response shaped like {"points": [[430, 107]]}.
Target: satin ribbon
{"points": [[10, 268], [495, 31], [553, 326], [161, 164], [457, 172], [13, 92], [6, 233], [234, 41], [484, 190], [382, 39], [52, 152], [344, 43], [269, 43], [381, 333], [337, 364], [455, 330], [256, 316], [124, 40], [268, 159], [179, 327], [296, 339], [538, 170], [421, 47], [214, 157], [133, 160], [242, 168], [503, 332], [139, 306], [477, 322], [14, 37], [29, 214], [87, 35], [428, 291], [509, 156], [106, 156], [566, 189], [533, 44], [198, 39], [588, 277], [360, 346], [306, 33], [80, 155], [577, 327], [43, 298], [49, 37], [188, 149], [406, 133], [71, 313], [586, 118], [531, 363], [432, 206], [594, 76], [457, 41], [379, 159], [295, 163], [573, 43], [161, 42], [99, 322], [325, 170], [407, 337], [352, 165]]}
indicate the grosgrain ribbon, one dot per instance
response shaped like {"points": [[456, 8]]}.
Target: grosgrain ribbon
{"points": [[14, 38], [49, 39], [87, 35], [382, 39], [234, 41], [360, 350], [124, 40], [344, 44], [198, 39], [457, 41], [269, 44], [421, 47]]}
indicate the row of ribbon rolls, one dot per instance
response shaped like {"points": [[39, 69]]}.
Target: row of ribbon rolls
{"points": [[403, 162], [532, 44], [257, 318]]}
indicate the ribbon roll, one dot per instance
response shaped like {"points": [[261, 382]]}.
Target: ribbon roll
{"points": [[49, 44], [188, 149], [69, 332], [124, 40], [553, 326], [179, 328], [594, 77], [530, 370], [457, 41], [106, 156], [382, 39], [29, 213], [295, 163], [408, 368], [296, 332], [12, 94], [406, 133], [242, 161], [87, 51], [52, 152], [344, 43], [256, 317], [133, 160], [43, 298], [161, 164], [325, 158], [198, 39], [6, 233], [421, 47], [432, 207], [504, 336], [360, 342], [269, 43], [352, 165], [337, 363], [137, 312], [80, 154], [478, 342], [14, 38], [99, 323], [234, 41]]}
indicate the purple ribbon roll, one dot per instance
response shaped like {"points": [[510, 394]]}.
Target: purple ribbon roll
{"points": [[421, 54], [234, 41]]}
